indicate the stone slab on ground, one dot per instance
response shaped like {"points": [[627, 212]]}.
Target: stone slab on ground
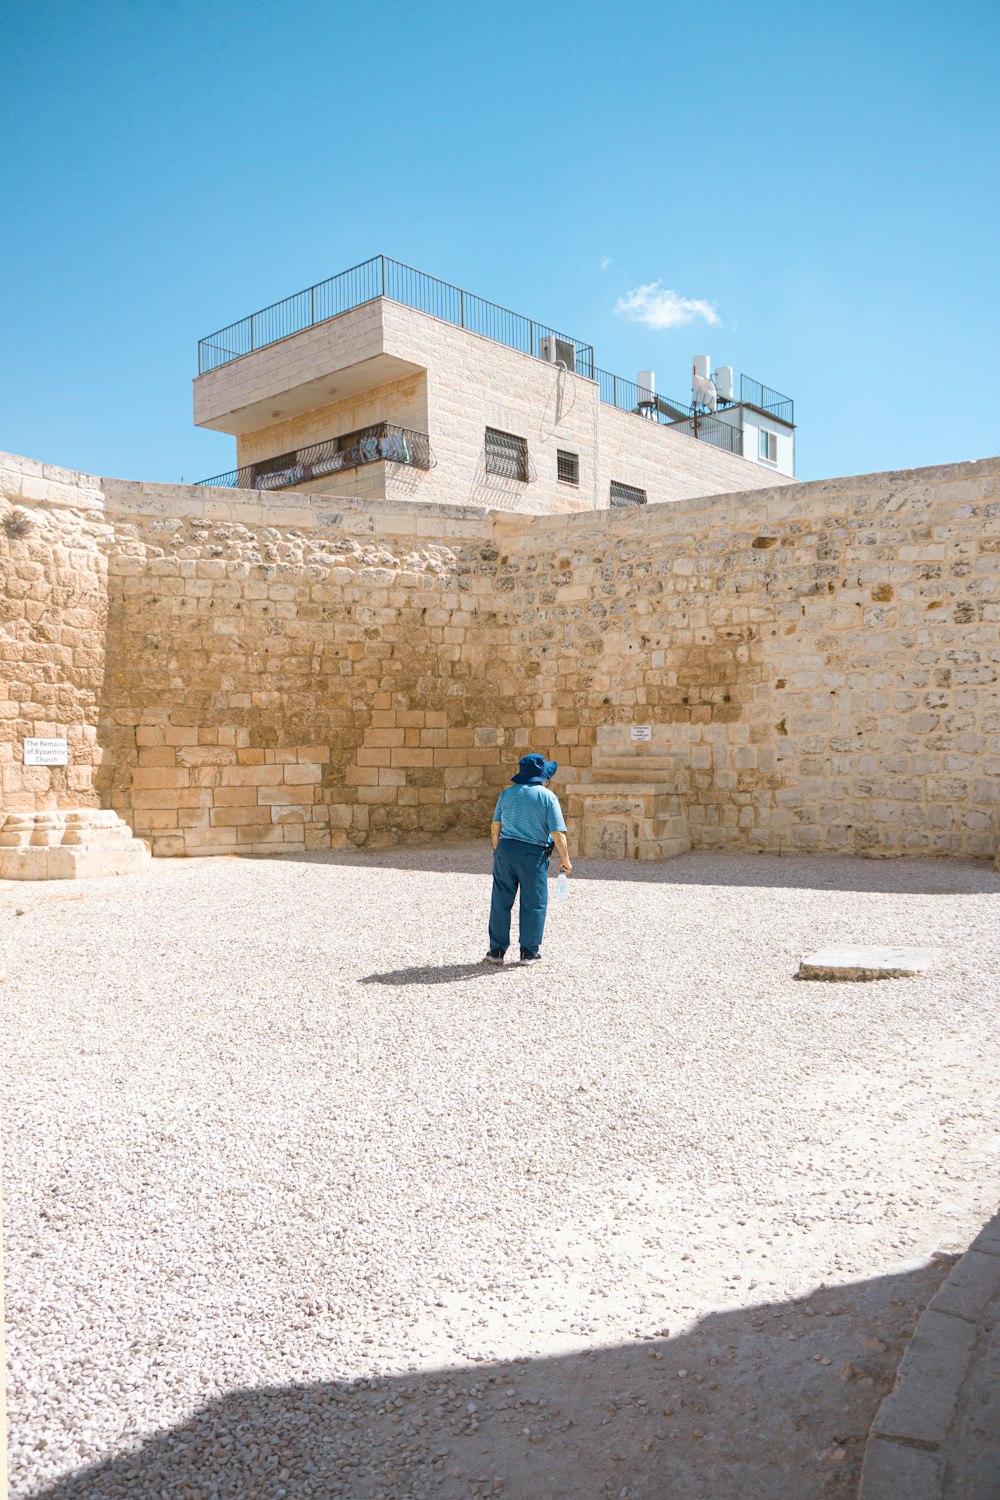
{"points": [[893, 1472], [922, 1407], [937, 1435], [866, 963]]}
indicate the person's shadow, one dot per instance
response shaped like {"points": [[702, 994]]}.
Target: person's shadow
{"points": [[439, 973]]}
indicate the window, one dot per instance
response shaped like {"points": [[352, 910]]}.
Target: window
{"points": [[506, 454], [567, 467], [768, 447], [624, 494]]}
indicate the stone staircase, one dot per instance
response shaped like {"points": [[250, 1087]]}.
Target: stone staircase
{"points": [[631, 803], [68, 844]]}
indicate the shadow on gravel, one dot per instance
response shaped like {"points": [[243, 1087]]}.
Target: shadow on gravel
{"points": [[439, 973], [768, 1403]]}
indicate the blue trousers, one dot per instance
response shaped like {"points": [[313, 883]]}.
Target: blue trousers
{"points": [[526, 866]]}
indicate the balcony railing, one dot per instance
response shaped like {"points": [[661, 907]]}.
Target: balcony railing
{"points": [[714, 430], [368, 445], [628, 396], [382, 277], [762, 396], [668, 412]]}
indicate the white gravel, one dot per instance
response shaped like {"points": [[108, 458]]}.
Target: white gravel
{"points": [[269, 1124]]}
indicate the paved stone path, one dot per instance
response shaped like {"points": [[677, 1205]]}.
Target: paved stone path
{"points": [[937, 1436]]}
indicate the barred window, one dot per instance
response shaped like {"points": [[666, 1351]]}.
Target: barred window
{"points": [[506, 454], [624, 494], [567, 467]]}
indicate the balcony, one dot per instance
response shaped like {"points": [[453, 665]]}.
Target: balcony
{"points": [[382, 442]]}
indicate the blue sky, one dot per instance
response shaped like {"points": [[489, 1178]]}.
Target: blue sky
{"points": [[816, 185]]}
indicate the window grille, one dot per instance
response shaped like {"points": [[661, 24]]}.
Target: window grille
{"points": [[625, 494], [567, 467], [506, 454], [768, 446]]}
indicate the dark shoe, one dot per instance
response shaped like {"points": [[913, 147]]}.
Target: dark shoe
{"points": [[495, 956], [530, 958]]}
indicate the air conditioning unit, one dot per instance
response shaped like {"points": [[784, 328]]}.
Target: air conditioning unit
{"points": [[557, 351]]}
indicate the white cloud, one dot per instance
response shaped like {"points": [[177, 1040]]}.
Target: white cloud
{"points": [[657, 307], [604, 262]]}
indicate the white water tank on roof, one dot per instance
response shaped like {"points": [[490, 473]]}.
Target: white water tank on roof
{"points": [[646, 380], [724, 382], [702, 365]]}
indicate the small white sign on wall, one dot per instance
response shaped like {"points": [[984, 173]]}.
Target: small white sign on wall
{"points": [[642, 731], [45, 753]]}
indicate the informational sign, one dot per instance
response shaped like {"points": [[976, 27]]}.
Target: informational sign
{"points": [[45, 753], [642, 731]]}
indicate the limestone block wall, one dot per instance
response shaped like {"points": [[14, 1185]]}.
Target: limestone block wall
{"points": [[820, 662], [824, 659], [53, 618], [249, 675], [291, 687]]}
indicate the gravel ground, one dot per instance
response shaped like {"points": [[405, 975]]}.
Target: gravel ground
{"points": [[302, 1200]]}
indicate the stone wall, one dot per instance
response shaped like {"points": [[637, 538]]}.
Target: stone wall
{"points": [[823, 660], [54, 546], [278, 686], [821, 663], [247, 675]]}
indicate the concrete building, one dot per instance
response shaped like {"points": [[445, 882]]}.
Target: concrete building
{"points": [[365, 384]]}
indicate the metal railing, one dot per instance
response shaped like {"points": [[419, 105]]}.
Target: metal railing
{"points": [[627, 396], [382, 277], [762, 396], [714, 430], [367, 445]]}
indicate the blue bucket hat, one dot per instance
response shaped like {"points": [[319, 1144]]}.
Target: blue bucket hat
{"points": [[535, 769]]}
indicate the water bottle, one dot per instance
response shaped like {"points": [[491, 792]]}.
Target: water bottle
{"points": [[562, 889]]}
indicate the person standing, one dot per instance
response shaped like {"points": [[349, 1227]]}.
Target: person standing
{"points": [[527, 824]]}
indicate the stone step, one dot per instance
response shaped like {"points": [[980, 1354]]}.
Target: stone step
{"points": [[656, 849]]}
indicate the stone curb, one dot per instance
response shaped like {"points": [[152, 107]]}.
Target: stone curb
{"points": [[906, 1454]]}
